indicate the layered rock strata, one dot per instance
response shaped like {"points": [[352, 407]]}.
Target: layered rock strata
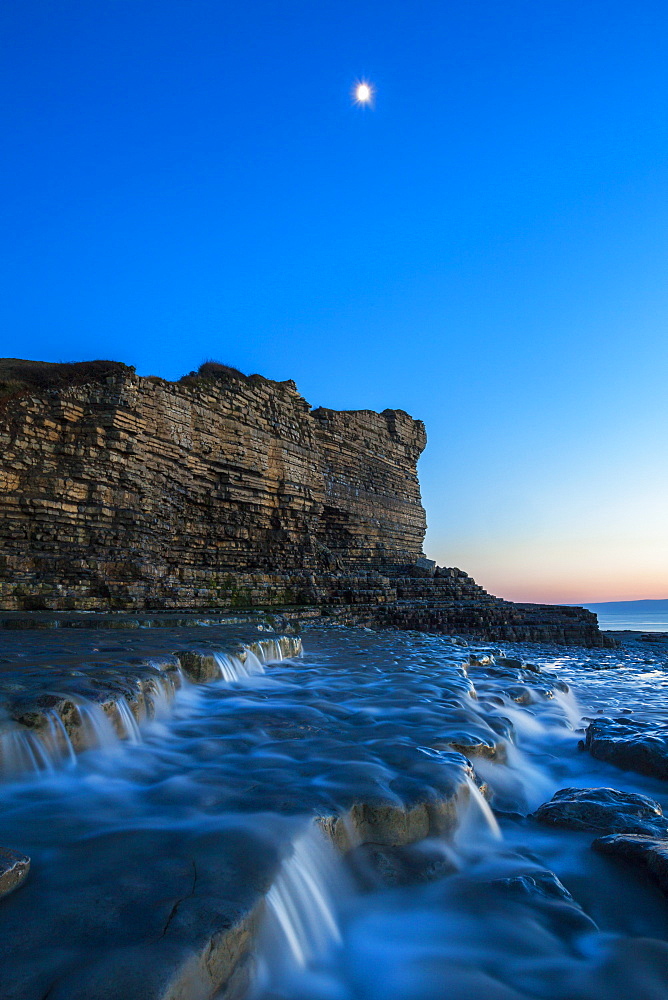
{"points": [[219, 491]]}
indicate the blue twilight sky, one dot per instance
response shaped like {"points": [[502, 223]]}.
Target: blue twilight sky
{"points": [[487, 248]]}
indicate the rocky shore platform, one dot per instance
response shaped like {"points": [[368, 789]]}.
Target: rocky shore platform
{"points": [[191, 805], [136, 899]]}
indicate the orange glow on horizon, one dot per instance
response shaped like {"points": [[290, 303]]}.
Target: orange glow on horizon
{"points": [[550, 573]]}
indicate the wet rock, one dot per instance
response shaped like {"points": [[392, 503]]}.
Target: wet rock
{"points": [[541, 883], [373, 864], [14, 868], [514, 663], [545, 893], [398, 824], [198, 667], [604, 809], [649, 852], [521, 694], [80, 700], [629, 744], [509, 661], [279, 623], [473, 745], [532, 668], [480, 659], [380, 823]]}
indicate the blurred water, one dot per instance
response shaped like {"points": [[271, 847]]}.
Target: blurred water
{"points": [[147, 843]]}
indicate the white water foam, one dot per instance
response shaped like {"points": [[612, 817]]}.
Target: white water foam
{"points": [[49, 746], [477, 822], [234, 668], [130, 729], [301, 919]]}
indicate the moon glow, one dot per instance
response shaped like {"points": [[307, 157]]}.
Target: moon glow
{"points": [[363, 92]]}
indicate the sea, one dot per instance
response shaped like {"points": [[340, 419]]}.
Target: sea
{"points": [[641, 620]]}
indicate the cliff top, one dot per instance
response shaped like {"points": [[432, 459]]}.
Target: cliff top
{"points": [[18, 376]]}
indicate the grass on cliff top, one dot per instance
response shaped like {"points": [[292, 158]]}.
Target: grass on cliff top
{"points": [[17, 376], [216, 371]]}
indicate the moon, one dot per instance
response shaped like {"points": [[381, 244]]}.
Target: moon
{"points": [[363, 92]]}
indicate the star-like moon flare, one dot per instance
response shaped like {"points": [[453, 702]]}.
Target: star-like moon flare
{"points": [[363, 93]]}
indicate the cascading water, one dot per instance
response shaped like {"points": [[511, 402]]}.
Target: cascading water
{"points": [[168, 681], [173, 850], [477, 821], [129, 729], [236, 668], [23, 750], [49, 745], [97, 729], [301, 921]]}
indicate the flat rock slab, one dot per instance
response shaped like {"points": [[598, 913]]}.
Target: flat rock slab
{"points": [[629, 744], [63, 696], [604, 810], [650, 852], [14, 868], [140, 913]]}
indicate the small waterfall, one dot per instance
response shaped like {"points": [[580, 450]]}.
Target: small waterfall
{"points": [[59, 738], [519, 784], [19, 751], [251, 659], [285, 647], [129, 727], [301, 920], [162, 690], [159, 697], [476, 820], [252, 664], [96, 728], [48, 744], [233, 668], [35, 750], [271, 650], [569, 705]]}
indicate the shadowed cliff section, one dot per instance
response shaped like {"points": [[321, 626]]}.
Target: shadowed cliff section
{"points": [[18, 377], [223, 490]]}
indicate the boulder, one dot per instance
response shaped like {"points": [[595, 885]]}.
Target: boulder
{"points": [[14, 868], [629, 744], [649, 852], [604, 809]]}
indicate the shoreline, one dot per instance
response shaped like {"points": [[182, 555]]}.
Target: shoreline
{"points": [[400, 744]]}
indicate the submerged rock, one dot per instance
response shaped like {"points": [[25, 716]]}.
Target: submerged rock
{"points": [[629, 744], [650, 852], [472, 745], [375, 864], [544, 884], [14, 868], [604, 809]]}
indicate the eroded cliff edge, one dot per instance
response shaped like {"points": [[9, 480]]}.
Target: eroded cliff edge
{"points": [[224, 490]]}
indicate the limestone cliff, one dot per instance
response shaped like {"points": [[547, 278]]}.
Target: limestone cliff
{"points": [[144, 492], [223, 490]]}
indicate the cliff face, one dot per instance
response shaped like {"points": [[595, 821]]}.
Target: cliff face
{"points": [[146, 493], [221, 490]]}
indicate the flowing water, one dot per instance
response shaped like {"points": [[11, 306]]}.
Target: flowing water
{"points": [[145, 846]]}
